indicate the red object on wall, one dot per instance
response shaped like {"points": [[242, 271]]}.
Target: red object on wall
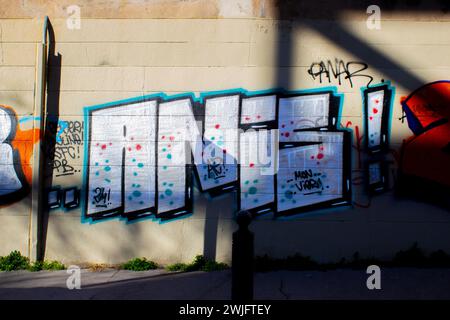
{"points": [[427, 154]]}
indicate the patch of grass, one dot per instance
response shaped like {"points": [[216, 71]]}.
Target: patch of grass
{"points": [[200, 263], [139, 264], [37, 266], [47, 265], [196, 265], [177, 267], [14, 261], [54, 265], [214, 266]]}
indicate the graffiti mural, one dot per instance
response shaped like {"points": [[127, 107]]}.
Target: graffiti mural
{"points": [[426, 155], [281, 152], [16, 150]]}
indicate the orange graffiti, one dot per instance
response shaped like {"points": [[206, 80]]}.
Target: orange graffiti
{"points": [[23, 141]]}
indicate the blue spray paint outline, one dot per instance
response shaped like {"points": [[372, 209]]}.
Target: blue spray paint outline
{"points": [[62, 123]]}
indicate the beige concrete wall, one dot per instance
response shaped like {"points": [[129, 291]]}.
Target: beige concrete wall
{"points": [[118, 54], [17, 73]]}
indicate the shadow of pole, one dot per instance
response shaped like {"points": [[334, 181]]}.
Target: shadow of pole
{"points": [[49, 138]]}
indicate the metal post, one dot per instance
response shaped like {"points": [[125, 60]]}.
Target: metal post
{"points": [[37, 193], [242, 260]]}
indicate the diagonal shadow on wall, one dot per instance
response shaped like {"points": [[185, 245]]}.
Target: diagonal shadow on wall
{"points": [[326, 18]]}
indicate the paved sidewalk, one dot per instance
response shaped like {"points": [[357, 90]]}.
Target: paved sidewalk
{"points": [[402, 283]]}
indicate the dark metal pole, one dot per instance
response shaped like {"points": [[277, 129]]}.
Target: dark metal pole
{"points": [[38, 194], [242, 259]]}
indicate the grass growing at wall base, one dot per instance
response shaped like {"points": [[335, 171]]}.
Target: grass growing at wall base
{"points": [[139, 264], [47, 265], [413, 257], [200, 263], [15, 261]]}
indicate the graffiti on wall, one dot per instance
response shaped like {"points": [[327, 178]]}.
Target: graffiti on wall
{"points": [[68, 198], [282, 152], [377, 109], [16, 150], [339, 71], [426, 155], [68, 146]]}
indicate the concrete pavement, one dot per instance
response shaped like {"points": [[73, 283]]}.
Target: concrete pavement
{"points": [[396, 283]]}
